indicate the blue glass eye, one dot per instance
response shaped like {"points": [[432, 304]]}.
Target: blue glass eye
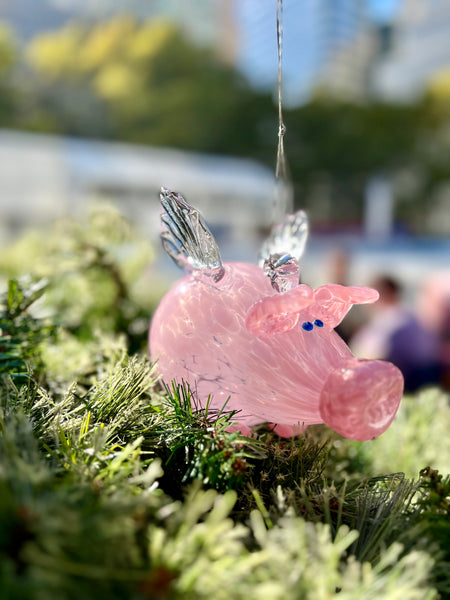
{"points": [[307, 326], [318, 323]]}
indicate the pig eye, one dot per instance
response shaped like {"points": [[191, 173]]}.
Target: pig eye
{"points": [[308, 326]]}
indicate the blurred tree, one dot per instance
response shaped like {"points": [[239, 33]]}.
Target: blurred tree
{"points": [[437, 95], [8, 58], [430, 158], [150, 84], [334, 147]]}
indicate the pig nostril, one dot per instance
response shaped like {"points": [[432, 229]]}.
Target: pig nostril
{"points": [[318, 323]]}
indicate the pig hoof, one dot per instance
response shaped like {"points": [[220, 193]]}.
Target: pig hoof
{"points": [[360, 398]]}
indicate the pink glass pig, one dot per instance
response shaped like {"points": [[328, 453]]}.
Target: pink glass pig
{"points": [[274, 356]]}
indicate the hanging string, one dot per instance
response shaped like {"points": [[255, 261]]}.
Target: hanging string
{"points": [[283, 201], [280, 170]]}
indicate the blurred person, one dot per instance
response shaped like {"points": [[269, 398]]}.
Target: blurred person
{"points": [[444, 347], [394, 333], [434, 313]]}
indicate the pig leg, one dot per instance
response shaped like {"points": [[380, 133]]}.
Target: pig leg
{"points": [[360, 398], [288, 430]]}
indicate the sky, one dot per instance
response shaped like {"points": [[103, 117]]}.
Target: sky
{"points": [[382, 10]]}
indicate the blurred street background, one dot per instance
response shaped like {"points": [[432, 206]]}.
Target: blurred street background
{"points": [[110, 99]]}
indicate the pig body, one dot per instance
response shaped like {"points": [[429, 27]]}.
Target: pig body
{"points": [[274, 357]]}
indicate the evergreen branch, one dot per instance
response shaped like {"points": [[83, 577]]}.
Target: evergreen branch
{"points": [[21, 333], [198, 443]]}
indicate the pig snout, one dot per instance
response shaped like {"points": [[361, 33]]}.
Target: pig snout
{"points": [[360, 398]]}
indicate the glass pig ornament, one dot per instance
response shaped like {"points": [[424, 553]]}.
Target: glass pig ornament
{"points": [[255, 336]]}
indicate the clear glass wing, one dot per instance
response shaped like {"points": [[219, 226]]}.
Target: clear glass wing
{"points": [[280, 253], [186, 237], [287, 237]]}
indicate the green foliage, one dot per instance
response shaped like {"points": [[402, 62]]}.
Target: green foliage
{"points": [[20, 332], [60, 533], [285, 561], [199, 445], [95, 273], [113, 485], [65, 534], [434, 519]]}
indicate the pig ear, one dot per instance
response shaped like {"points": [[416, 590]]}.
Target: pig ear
{"points": [[279, 313], [360, 295], [332, 302]]}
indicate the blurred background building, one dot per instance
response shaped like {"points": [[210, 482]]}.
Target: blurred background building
{"points": [[43, 178], [320, 38], [420, 51]]}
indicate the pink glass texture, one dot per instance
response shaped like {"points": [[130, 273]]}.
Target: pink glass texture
{"points": [[275, 356]]}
